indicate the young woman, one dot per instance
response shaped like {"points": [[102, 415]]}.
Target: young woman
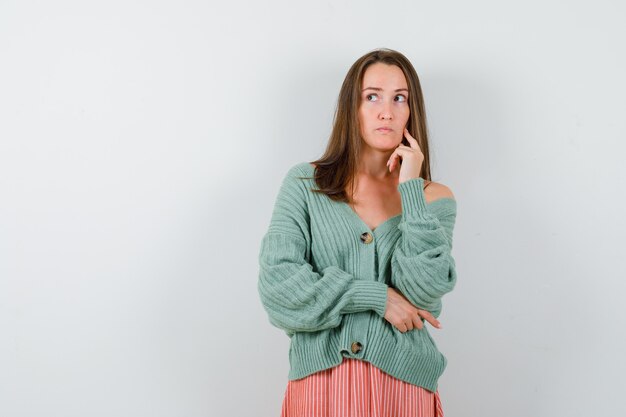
{"points": [[358, 255]]}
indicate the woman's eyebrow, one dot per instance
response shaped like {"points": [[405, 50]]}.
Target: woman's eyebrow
{"points": [[380, 89]]}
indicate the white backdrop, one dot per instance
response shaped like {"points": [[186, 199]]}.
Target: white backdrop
{"points": [[142, 145]]}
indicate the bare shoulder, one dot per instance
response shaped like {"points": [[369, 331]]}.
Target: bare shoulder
{"points": [[436, 190]]}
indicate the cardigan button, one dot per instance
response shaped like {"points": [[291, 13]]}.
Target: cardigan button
{"points": [[356, 347], [366, 237]]}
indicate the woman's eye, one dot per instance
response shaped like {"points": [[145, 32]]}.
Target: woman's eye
{"points": [[402, 97], [370, 95]]}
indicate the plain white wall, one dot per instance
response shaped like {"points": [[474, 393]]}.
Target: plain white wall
{"points": [[142, 145]]}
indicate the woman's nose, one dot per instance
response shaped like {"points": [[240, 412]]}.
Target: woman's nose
{"points": [[386, 114], [386, 111]]}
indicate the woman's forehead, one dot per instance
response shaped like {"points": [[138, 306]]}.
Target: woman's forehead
{"points": [[384, 76]]}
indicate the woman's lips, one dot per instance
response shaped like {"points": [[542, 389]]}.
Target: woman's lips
{"points": [[384, 129]]}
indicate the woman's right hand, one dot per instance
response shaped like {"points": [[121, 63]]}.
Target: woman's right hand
{"points": [[404, 315]]}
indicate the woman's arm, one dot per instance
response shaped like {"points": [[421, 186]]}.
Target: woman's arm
{"points": [[422, 267], [295, 297]]}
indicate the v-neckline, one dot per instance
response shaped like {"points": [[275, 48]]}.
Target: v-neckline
{"points": [[360, 223], [386, 223]]}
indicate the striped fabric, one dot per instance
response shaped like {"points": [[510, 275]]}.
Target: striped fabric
{"points": [[356, 388]]}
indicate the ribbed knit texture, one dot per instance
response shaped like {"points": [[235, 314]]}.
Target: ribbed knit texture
{"points": [[327, 288]]}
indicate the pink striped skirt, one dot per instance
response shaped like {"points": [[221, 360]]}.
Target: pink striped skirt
{"points": [[356, 388]]}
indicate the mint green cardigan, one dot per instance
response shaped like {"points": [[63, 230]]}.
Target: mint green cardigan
{"points": [[323, 278]]}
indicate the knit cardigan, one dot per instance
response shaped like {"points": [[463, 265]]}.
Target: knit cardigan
{"points": [[324, 274]]}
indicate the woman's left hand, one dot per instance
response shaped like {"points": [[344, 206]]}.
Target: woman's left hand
{"points": [[412, 159]]}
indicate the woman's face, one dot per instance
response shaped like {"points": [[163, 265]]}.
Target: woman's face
{"points": [[384, 104]]}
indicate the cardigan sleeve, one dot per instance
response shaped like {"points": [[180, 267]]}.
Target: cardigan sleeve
{"points": [[422, 266], [296, 297]]}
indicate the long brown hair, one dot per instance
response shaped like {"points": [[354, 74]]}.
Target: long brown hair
{"points": [[336, 168]]}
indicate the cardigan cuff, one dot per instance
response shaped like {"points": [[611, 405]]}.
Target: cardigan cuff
{"points": [[370, 295], [413, 198]]}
